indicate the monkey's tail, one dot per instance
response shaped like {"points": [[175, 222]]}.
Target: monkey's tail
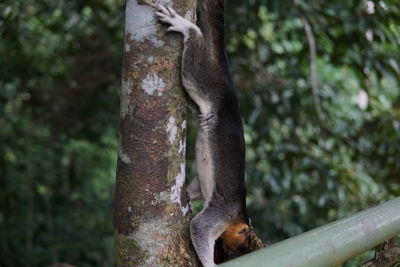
{"points": [[213, 20]]}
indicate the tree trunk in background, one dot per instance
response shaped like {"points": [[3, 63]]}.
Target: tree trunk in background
{"points": [[152, 213]]}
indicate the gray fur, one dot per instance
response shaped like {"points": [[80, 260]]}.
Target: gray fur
{"points": [[220, 143]]}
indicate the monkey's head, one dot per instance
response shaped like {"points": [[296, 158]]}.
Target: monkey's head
{"points": [[236, 237]]}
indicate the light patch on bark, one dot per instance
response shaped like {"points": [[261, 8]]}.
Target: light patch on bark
{"points": [[160, 197], [127, 47], [165, 2], [182, 146], [157, 42], [126, 90], [153, 83], [172, 130], [123, 156], [182, 142], [189, 16], [176, 189], [141, 26], [150, 60], [129, 209], [185, 209], [151, 244]]}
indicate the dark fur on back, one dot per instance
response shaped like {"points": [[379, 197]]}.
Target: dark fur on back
{"points": [[213, 20], [228, 138]]}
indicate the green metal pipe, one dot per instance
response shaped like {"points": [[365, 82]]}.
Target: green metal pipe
{"points": [[331, 244]]}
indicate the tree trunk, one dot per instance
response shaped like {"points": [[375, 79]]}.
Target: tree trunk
{"points": [[152, 213]]}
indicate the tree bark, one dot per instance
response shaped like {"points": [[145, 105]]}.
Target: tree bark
{"points": [[387, 258], [152, 213], [387, 254]]}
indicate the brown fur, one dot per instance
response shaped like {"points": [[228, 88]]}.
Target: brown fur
{"points": [[236, 237]]}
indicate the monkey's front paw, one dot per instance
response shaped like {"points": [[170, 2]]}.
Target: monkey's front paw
{"points": [[169, 16]]}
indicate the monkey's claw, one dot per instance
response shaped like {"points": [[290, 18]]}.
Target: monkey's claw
{"points": [[165, 14], [169, 16]]}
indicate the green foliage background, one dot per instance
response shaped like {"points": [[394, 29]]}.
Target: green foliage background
{"points": [[59, 109]]}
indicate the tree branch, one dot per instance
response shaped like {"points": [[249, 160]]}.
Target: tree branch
{"points": [[313, 71], [314, 84]]}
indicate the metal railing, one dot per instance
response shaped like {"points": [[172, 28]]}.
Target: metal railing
{"points": [[331, 244]]}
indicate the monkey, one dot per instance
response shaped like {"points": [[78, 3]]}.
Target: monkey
{"points": [[220, 147]]}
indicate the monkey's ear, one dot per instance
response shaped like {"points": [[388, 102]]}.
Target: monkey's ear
{"points": [[251, 226]]}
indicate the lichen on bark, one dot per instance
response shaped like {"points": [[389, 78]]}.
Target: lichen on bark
{"points": [[150, 215]]}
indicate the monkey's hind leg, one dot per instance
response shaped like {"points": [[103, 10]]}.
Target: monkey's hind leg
{"points": [[205, 228]]}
